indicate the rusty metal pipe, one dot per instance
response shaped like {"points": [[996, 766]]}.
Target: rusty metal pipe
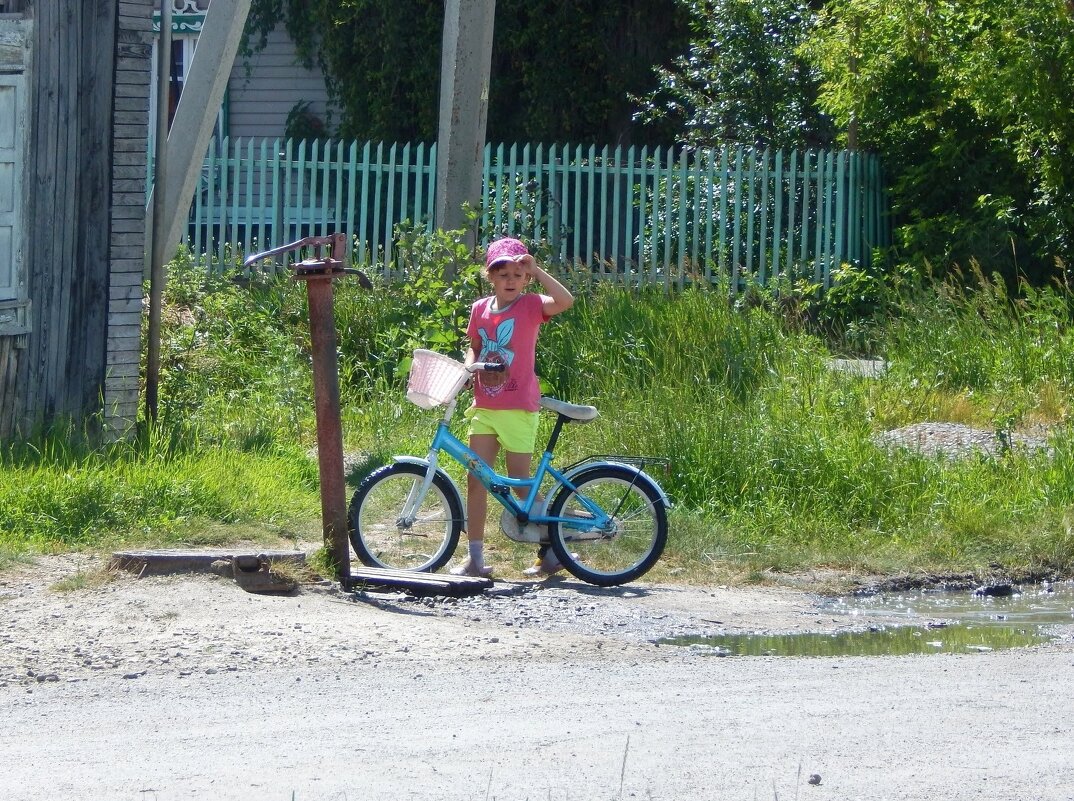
{"points": [[318, 273], [329, 425], [309, 241]]}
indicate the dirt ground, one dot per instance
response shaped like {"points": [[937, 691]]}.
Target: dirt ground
{"points": [[188, 687]]}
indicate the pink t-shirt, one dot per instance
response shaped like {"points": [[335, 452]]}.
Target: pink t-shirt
{"points": [[508, 336]]}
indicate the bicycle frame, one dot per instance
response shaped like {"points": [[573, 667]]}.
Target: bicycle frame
{"points": [[601, 523]]}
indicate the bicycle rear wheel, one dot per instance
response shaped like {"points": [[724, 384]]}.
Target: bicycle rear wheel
{"points": [[380, 538], [634, 541]]}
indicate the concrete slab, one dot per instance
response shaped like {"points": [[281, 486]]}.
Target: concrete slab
{"points": [[219, 561], [252, 571], [421, 584]]}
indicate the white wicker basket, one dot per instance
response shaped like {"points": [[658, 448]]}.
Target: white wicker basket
{"points": [[434, 379]]}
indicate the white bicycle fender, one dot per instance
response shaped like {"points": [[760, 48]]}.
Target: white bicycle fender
{"points": [[420, 461], [603, 463]]}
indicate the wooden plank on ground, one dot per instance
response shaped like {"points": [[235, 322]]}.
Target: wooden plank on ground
{"points": [[415, 583]]}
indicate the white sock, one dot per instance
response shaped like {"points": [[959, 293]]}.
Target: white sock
{"points": [[477, 555]]}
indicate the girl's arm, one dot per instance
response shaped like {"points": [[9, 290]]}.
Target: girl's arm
{"points": [[557, 298], [472, 351]]}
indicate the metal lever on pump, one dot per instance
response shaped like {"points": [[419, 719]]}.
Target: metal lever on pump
{"points": [[329, 265]]}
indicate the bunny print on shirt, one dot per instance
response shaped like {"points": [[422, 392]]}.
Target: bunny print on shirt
{"points": [[497, 351]]}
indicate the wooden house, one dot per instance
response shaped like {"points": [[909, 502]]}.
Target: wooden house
{"points": [[74, 114], [262, 90]]}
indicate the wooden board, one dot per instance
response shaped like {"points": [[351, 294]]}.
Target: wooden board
{"points": [[373, 578]]}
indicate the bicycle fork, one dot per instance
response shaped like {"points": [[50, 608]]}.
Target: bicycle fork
{"points": [[442, 441], [417, 493]]}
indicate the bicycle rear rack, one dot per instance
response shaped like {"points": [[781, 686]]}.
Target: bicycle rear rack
{"points": [[640, 462]]}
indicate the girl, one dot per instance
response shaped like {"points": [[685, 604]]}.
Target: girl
{"points": [[503, 328]]}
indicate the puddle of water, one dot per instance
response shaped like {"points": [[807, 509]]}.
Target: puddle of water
{"points": [[1036, 605], [920, 622], [881, 641]]}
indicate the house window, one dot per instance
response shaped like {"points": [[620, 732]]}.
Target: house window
{"points": [[12, 122], [187, 21], [182, 55]]}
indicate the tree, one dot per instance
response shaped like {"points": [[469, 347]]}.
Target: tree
{"points": [[971, 103], [743, 79], [379, 59], [562, 69]]}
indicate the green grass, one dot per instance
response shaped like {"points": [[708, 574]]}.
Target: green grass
{"points": [[55, 496], [773, 461]]}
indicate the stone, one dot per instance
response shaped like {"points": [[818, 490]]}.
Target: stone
{"points": [[255, 574]]}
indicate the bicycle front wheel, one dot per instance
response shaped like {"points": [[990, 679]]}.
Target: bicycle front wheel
{"points": [[633, 542], [380, 536]]}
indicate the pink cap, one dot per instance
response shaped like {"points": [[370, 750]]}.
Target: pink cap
{"points": [[504, 250]]}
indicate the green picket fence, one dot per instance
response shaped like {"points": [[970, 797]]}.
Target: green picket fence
{"points": [[636, 215]]}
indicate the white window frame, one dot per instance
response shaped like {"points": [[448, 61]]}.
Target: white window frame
{"points": [[186, 28]]}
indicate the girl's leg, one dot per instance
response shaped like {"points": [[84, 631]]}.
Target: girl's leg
{"points": [[518, 466], [486, 446], [477, 498]]}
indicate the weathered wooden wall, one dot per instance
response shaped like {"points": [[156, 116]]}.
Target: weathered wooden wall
{"points": [[85, 213], [9, 363]]}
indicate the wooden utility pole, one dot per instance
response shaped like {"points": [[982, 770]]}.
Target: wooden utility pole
{"points": [[180, 158], [203, 92], [465, 67], [157, 241]]}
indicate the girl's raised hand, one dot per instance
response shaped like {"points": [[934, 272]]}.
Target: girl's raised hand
{"points": [[527, 263]]}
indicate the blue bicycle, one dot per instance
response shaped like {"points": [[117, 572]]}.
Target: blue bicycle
{"points": [[605, 517]]}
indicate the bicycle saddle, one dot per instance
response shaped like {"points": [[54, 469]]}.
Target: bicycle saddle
{"points": [[572, 411]]}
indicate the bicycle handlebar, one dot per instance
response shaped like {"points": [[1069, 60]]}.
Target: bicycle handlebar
{"points": [[486, 367]]}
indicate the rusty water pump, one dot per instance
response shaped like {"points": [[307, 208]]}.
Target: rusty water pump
{"points": [[318, 272]]}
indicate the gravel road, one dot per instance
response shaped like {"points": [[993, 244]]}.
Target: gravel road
{"points": [[187, 687]]}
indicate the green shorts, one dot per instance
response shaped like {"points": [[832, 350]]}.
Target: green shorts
{"points": [[516, 429]]}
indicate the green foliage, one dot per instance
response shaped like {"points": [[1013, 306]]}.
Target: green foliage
{"points": [[983, 341], [224, 349], [972, 106], [565, 71], [696, 339], [969, 102], [743, 80], [381, 62], [778, 453], [560, 70], [433, 309], [514, 205], [858, 303], [302, 124], [59, 491], [305, 128]]}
